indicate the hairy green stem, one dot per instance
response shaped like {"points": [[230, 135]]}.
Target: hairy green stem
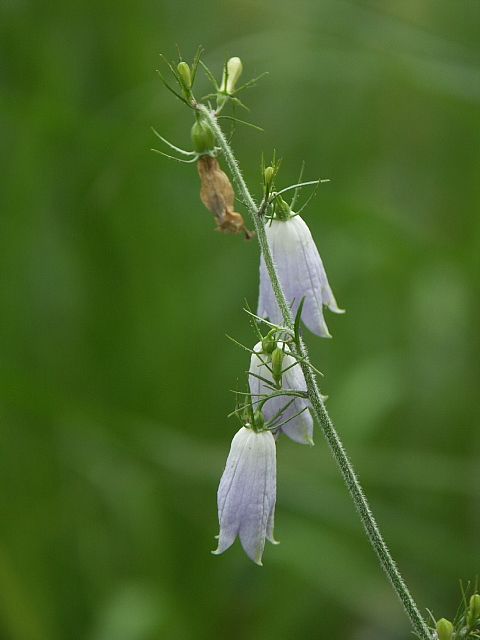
{"points": [[318, 407]]}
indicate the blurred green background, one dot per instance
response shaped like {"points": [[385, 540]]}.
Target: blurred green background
{"points": [[116, 295]]}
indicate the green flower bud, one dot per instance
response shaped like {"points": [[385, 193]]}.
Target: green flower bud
{"points": [[258, 420], [268, 175], [203, 138], [234, 71], [185, 76], [283, 211], [277, 365], [444, 629], [268, 342], [473, 615]]}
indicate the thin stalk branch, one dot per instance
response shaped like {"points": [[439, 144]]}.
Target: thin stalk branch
{"points": [[354, 487]]}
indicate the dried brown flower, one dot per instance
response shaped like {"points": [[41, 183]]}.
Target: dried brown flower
{"points": [[218, 196]]}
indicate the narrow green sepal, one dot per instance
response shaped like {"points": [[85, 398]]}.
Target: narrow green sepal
{"points": [[298, 317], [165, 83]]}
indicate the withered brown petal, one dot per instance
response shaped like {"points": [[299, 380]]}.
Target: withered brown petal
{"points": [[218, 196]]}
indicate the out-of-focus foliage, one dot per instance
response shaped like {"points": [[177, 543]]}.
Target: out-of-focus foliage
{"points": [[116, 295]]}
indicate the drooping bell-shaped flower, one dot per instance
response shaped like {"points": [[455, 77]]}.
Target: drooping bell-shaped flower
{"points": [[247, 493], [294, 410], [300, 271]]}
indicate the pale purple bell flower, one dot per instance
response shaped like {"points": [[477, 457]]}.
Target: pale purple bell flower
{"points": [[301, 273], [247, 493], [298, 428]]}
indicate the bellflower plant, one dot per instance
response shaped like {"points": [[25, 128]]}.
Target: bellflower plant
{"points": [[293, 412], [300, 271], [247, 493], [283, 395]]}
